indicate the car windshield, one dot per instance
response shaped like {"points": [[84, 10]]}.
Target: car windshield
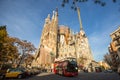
{"points": [[16, 70]]}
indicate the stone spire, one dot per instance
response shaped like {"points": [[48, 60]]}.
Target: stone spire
{"points": [[53, 15], [47, 20], [56, 14]]}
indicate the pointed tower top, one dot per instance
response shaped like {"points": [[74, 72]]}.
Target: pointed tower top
{"points": [[47, 20], [56, 14], [78, 10], [53, 15], [48, 16], [56, 11]]}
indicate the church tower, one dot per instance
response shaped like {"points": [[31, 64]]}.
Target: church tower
{"points": [[60, 42], [47, 50], [83, 50], [74, 45]]}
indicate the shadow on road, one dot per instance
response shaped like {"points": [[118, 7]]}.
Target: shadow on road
{"points": [[81, 76]]}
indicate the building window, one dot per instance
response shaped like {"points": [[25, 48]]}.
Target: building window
{"points": [[75, 53], [119, 49], [115, 35], [69, 54], [117, 58]]}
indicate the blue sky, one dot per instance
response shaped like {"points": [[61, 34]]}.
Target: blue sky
{"points": [[25, 20]]}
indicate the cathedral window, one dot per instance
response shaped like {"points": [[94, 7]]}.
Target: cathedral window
{"points": [[46, 22], [82, 41], [65, 55], [42, 41], [69, 54], [62, 50], [47, 36], [74, 53], [52, 49]]}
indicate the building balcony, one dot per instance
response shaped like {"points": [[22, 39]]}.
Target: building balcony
{"points": [[117, 44], [116, 38], [113, 53], [116, 63]]}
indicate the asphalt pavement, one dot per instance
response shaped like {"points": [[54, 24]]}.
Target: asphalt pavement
{"points": [[81, 76]]}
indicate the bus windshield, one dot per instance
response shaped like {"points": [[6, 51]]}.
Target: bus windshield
{"points": [[72, 67]]}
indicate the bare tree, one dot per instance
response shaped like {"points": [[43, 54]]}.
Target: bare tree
{"points": [[73, 2]]}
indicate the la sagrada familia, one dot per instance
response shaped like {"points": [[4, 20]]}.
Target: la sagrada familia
{"points": [[58, 42]]}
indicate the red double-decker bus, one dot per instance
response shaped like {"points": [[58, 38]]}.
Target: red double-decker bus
{"points": [[66, 67]]}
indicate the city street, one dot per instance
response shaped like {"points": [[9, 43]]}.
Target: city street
{"points": [[81, 76], [54, 39]]}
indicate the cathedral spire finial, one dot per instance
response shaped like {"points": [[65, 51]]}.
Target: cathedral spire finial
{"points": [[78, 10], [53, 15], [56, 11], [56, 14], [48, 16], [47, 20]]}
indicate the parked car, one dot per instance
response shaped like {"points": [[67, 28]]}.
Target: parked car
{"points": [[15, 73], [1, 76], [30, 71], [118, 70], [108, 71], [3, 69], [35, 71]]}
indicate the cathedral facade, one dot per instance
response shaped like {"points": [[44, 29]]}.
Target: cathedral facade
{"points": [[58, 42]]}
